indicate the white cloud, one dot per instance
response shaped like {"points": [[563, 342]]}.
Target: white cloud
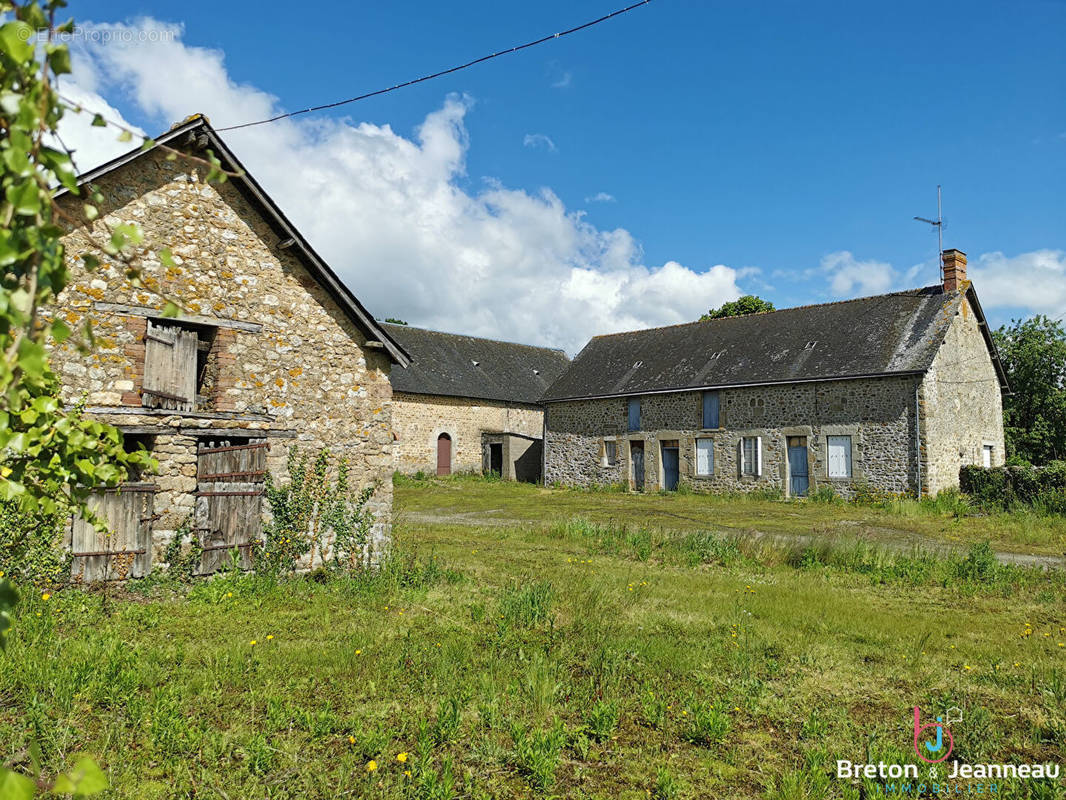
{"points": [[1034, 281], [563, 81], [849, 277], [600, 197], [390, 213], [92, 146], [539, 140]]}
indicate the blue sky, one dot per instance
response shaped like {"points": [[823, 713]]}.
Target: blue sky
{"points": [[765, 135]]}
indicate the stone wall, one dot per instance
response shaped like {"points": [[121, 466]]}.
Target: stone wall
{"points": [[286, 361], [877, 413], [419, 419], [962, 405]]}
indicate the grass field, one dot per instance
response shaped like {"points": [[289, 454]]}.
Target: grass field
{"points": [[566, 644]]}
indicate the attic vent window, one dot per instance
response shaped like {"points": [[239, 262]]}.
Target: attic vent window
{"points": [[810, 345], [536, 372], [638, 364], [475, 363]]}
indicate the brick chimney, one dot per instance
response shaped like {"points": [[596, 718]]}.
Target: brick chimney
{"points": [[954, 270]]}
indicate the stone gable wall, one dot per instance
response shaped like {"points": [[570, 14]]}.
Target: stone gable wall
{"points": [[962, 405], [420, 418], [877, 413], [304, 374]]}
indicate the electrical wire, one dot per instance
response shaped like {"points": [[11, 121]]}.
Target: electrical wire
{"points": [[443, 72]]}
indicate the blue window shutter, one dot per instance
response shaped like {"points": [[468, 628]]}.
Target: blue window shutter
{"points": [[634, 413], [710, 409]]}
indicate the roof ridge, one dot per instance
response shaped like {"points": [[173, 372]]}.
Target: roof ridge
{"points": [[767, 313], [398, 326]]}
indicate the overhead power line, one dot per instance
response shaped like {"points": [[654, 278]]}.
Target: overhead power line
{"points": [[443, 72]]}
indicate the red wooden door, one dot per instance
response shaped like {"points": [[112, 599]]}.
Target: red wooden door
{"points": [[444, 454]]}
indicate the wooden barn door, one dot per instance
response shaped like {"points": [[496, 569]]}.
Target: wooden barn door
{"points": [[170, 354], [229, 500], [125, 550]]}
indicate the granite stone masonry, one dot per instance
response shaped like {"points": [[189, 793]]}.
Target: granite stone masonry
{"points": [[281, 356], [889, 394]]}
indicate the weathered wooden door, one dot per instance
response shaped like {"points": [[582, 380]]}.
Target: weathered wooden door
{"points": [[671, 465], [799, 475], [169, 367], [444, 454], [636, 457], [125, 550], [229, 501], [496, 458]]}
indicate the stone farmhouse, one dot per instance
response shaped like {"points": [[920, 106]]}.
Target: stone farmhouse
{"points": [[466, 404], [891, 394], [271, 349]]}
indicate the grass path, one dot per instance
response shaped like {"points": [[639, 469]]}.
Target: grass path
{"points": [[1018, 538]]}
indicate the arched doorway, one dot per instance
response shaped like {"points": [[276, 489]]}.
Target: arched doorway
{"points": [[444, 454]]}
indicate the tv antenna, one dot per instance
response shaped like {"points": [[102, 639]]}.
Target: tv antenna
{"points": [[938, 223]]}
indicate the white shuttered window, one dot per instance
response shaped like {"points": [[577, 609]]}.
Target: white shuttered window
{"points": [[751, 455], [705, 456], [839, 456]]}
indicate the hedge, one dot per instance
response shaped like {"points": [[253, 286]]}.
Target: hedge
{"points": [[1044, 487]]}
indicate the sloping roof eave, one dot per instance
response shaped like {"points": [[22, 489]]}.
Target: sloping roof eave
{"points": [[716, 386], [318, 268]]}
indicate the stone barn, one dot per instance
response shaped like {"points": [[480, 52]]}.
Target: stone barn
{"points": [[466, 404], [270, 349], [890, 394]]}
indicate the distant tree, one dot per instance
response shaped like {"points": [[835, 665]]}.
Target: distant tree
{"points": [[748, 304], [1033, 352], [395, 321]]}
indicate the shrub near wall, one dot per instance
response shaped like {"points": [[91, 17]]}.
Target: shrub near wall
{"points": [[1040, 487]]}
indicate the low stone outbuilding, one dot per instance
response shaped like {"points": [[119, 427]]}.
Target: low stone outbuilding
{"points": [[890, 394], [269, 350], [466, 404]]}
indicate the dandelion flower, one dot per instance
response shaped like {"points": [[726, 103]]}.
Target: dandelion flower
{"points": [[401, 757], [407, 772], [253, 642], [358, 652], [270, 636], [351, 740], [45, 596], [371, 765]]}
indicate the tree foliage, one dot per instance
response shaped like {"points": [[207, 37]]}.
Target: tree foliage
{"points": [[748, 304], [50, 457], [1033, 352]]}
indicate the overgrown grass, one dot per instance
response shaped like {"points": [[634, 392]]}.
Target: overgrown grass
{"points": [[605, 660], [947, 520]]}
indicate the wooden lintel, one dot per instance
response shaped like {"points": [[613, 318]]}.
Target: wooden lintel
{"points": [[194, 319], [167, 412]]}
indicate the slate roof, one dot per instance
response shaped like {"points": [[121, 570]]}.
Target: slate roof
{"points": [[889, 334], [465, 366], [196, 134]]}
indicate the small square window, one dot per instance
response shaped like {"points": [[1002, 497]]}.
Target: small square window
{"points": [[610, 453], [705, 456], [839, 448]]}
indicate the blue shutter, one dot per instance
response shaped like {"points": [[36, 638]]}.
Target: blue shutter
{"points": [[634, 413], [710, 409]]}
